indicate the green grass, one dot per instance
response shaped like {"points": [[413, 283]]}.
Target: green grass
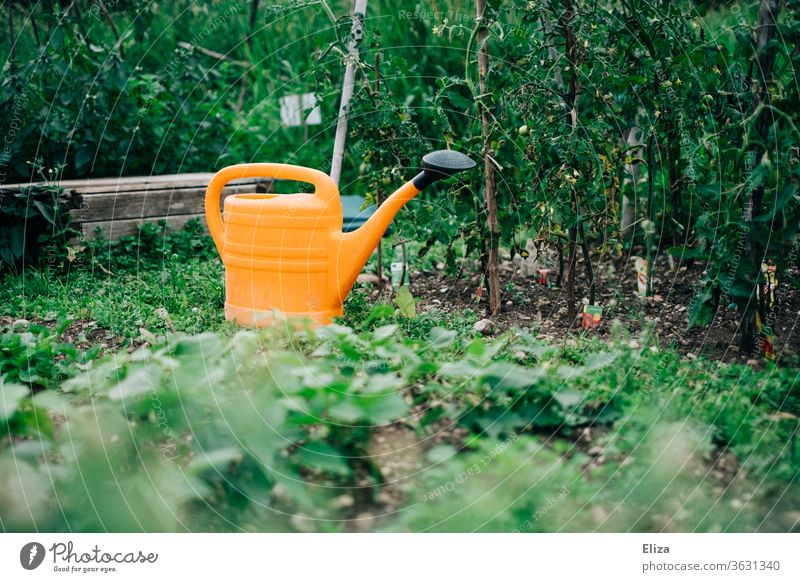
{"points": [[150, 281]]}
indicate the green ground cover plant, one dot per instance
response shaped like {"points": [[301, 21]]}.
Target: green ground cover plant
{"points": [[207, 432]]}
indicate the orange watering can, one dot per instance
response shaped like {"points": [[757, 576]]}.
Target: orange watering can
{"points": [[286, 253]]}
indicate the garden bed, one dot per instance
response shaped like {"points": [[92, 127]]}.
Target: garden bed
{"points": [[394, 423]]}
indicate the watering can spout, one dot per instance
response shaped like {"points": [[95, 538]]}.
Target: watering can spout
{"points": [[356, 247]]}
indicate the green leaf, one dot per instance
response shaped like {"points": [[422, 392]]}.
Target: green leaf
{"points": [[383, 409], [206, 344], [700, 313], [385, 332], [476, 348], [46, 211], [406, 304], [599, 360], [323, 457], [567, 398], [82, 158], [441, 337], [137, 382], [507, 375], [34, 420], [218, 460], [346, 411], [10, 397]]}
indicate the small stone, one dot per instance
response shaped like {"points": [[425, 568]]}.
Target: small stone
{"points": [[342, 502], [509, 303], [364, 521], [20, 324], [520, 355], [595, 451], [525, 317], [302, 523], [691, 356], [484, 327], [385, 498], [367, 278], [633, 344], [682, 308], [752, 362], [599, 515], [443, 290], [793, 517]]}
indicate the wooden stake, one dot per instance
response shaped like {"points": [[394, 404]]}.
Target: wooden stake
{"points": [[490, 190], [572, 119], [765, 32]]}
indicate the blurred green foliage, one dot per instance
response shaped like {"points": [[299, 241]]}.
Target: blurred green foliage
{"points": [[270, 430]]}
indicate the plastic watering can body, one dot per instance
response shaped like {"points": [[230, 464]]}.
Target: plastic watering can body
{"points": [[286, 253]]}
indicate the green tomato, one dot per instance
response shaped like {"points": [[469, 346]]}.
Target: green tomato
{"points": [[523, 130]]}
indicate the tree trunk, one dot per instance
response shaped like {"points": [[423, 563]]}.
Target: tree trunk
{"points": [[490, 189], [765, 32]]}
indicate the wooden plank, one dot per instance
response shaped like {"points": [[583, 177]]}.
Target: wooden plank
{"points": [[121, 205], [152, 203], [145, 186], [134, 183], [114, 229]]}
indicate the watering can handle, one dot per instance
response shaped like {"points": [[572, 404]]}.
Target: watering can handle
{"points": [[324, 187]]}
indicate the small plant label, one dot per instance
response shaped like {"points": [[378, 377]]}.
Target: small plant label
{"points": [[544, 278], [592, 316], [295, 107], [640, 265]]}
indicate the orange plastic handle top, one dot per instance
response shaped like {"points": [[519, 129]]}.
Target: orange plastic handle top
{"points": [[324, 187]]}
